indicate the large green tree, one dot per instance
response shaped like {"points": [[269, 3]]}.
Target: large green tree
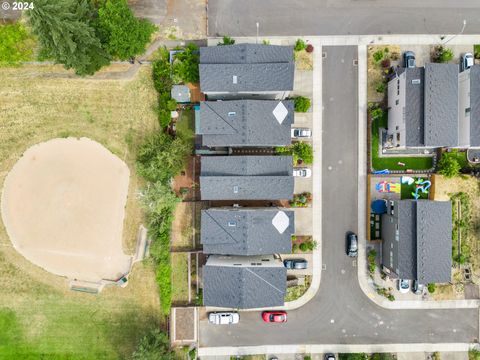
{"points": [[16, 44], [65, 31], [154, 346], [448, 165], [123, 34]]}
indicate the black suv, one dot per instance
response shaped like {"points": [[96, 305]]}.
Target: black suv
{"points": [[352, 244]]}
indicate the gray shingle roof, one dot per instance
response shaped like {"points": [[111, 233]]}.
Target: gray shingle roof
{"points": [[475, 105], [246, 178], [246, 54], [441, 105], [407, 241], [434, 241], [245, 123], [244, 231], [246, 67], [425, 246], [244, 287], [234, 78], [414, 110]]}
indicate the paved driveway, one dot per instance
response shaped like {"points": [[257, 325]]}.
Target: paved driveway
{"points": [[303, 184], [340, 313], [303, 221], [341, 17]]}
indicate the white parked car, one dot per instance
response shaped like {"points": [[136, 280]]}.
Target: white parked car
{"points": [[467, 61], [403, 286], [302, 172], [223, 318], [301, 133]]}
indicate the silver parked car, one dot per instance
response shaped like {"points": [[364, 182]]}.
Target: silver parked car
{"points": [[467, 61], [302, 172], [223, 318], [418, 288], [301, 133]]}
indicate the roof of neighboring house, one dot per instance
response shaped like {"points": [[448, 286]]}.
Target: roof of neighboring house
{"points": [[475, 105], [246, 122], [434, 241], [425, 240], [244, 231], [414, 111], [246, 67], [244, 287], [180, 93], [246, 178], [441, 105], [406, 245]]}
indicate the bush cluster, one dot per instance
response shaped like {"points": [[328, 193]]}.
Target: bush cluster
{"points": [[300, 45], [448, 165], [16, 44], [302, 104], [442, 54]]}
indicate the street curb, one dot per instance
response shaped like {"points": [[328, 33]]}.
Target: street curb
{"points": [[336, 348]]}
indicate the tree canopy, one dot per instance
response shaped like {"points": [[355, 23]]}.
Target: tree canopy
{"points": [[123, 34], [65, 30]]}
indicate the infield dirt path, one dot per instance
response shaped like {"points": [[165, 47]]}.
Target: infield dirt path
{"points": [[63, 205]]}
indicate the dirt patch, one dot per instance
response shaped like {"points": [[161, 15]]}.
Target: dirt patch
{"points": [[182, 227], [303, 60], [63, 208], [184, 324]]}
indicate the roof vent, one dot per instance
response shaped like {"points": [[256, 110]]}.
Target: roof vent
{"points": [[232, 223], [280, 112], [235, 79], [235, 189], [416, 82], [232, 113]]}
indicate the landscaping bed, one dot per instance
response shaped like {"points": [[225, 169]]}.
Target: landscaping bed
{"points": [[180, 283], [295, 292]]}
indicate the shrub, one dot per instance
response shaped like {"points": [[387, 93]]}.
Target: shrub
{"points": [[390, 297], [307, 357], [265, 42], [294, 237], [476, 50], [227, 40], [295, 247], [352, 356], [185, 65], [309, 48], [380, 88], [385, 63], [304, 247], [442, 54], [302, 103], [376, 113], [378, 56], [161, 72], [154, 345], [192, 354], [448, 165], [300, 45], [16, 44], [123, 35], [304, 151], [431, 288], [474, 354], [460, 258]]}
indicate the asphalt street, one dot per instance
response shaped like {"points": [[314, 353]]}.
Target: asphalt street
{"points": [[341, 313], [341, 17]]}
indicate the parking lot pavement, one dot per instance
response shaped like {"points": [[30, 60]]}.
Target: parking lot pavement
{"points": [[303, 185], [308, 257], [303, 221]]}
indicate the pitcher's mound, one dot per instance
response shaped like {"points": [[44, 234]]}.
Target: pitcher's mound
{"points": [[63, 206]]}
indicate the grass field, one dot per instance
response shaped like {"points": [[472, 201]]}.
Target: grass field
{"points": [[39, 316], [180, 277]]}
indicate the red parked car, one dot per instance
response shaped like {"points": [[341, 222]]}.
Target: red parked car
{"points": [[274, 316]]}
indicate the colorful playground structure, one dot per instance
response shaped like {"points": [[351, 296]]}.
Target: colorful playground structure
{"points": [[389, 187], [421, 185]]}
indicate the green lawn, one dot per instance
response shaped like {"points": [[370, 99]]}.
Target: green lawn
{"points": [[381, 163], [180, 277], [186, 124]]}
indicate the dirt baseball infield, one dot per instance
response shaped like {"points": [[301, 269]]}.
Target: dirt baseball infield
{"points": [[63, 205]]}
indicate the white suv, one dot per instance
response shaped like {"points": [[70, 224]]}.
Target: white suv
{"points": [[223, 318], [301, 133], [302, 172]]}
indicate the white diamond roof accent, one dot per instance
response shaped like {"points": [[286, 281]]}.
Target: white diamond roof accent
{"points": [[280, 112], [281, 222]]}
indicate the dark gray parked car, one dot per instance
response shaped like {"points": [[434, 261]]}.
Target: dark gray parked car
{"points": [[297, 264], [352, 244]]}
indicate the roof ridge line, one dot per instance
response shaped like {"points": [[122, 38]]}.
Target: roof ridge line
{"points": [[221, 227], [261, 278], [220, 116]]}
